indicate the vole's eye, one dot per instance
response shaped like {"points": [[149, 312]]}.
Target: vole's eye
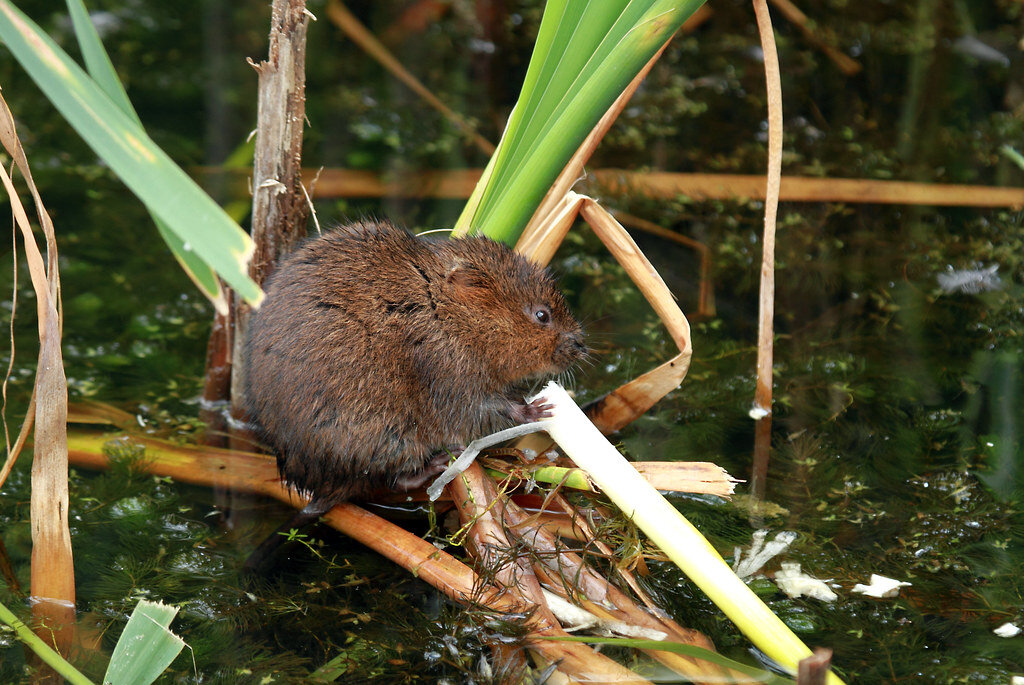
{"points": [[540, 314]]}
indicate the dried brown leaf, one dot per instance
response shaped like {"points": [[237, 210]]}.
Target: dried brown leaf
{"points": [[53, 580]]}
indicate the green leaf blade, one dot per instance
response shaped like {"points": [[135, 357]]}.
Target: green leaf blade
{"points": [[146, 647], [102, 71], [96, 59], [203, 226], [587, 53]]}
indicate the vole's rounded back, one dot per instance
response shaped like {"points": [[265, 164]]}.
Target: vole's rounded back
{"points": [[374, 349]]}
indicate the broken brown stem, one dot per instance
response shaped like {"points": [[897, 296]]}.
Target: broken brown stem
{"points": [[488, 515], [566, 574], [623, 405], [279, 206]]}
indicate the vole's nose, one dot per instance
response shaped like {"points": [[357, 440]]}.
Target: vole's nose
{"points": [[575, 347]]}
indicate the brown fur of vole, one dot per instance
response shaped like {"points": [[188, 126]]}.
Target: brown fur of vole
{"points": [[375, 349]]}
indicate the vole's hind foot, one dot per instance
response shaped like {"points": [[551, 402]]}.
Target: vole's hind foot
{"points": [[534, 411], [433, 468], [316, 508]]}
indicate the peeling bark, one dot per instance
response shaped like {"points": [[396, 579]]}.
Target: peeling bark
{"points": [[279, 207]]}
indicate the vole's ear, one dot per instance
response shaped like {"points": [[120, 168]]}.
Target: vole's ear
{"points": [[463, 274]]}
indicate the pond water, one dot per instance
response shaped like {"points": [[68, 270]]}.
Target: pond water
{"points": [[897, 446]]}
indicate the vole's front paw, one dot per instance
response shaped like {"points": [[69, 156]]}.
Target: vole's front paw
{"points": [[534, 411]]}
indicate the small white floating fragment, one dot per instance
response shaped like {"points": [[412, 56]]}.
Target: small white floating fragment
{"points": [[796, 583], [760, 553], [758, 413], [880, 587], [1007, 630], [971, 281]]}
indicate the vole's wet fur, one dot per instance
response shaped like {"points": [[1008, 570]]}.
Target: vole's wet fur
{"points": [[375, 350]]}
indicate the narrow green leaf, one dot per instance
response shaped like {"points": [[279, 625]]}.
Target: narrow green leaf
{"points": [[102, 71], [146, 647], [462, 226], [587, 52], [97, 62], [204, 228], [1012, 154], [756, 675]]}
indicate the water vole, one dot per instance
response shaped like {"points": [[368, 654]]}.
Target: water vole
{"points": [[375, 349]]}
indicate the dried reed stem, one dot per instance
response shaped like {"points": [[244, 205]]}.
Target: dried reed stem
{"points": [[763, 392]]}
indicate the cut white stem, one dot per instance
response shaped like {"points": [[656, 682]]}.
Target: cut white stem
{"points": [[669, 529]]}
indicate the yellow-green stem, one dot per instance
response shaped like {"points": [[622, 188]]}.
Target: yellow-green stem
{"points": [[670, 530]]}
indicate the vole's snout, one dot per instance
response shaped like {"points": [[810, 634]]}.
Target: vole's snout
{"points": [[575, 344], [570, 349]]}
